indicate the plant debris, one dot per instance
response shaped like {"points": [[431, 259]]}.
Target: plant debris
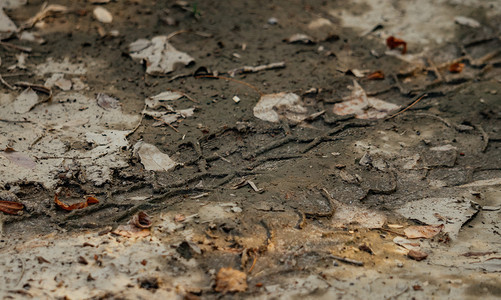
{"points": [[393, 42], [141, 220], [363, 106], [427, 232], [456, 67], [153, 159], [10, 207], [158, 54], [272, 107], [376, 75], [229, 280], [88, 200]]}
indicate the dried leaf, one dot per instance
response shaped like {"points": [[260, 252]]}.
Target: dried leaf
{"points": [[102, 15], [141, 220], [107, 102], [393, 42], [19, 158], [160, 56], [456, 67], [152, 158], [426, 231], [10, 207], [230, 280], [157, 101], [273, 106], [79, 205], [131, 231], [362, 106], [376, 75], [26, 101]]}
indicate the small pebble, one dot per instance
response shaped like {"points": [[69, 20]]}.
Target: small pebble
{"points": [[272, 21]]}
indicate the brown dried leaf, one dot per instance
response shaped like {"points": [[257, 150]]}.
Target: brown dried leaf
{"points": [[230, 280], [10, 207], [79, 205], [427, 231], [131, 231]]}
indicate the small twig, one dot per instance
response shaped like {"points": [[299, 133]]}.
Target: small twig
{"points": [[173, 34], [251, 69], [347, 260], [409, 106], [22, 272], [253, 263], [485, 137], [17, 47], [232, 79], [435, 70], [138, 124], [7, 84]]}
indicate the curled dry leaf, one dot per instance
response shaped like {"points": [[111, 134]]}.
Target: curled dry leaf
{"points": [[427, 231], [141, 220], [48, 10], [102, 15], [79, 205], [456, 67], [230, 280], [160, 56], [272, 106], [363, 106], [10, 207], [393, 42], [376, 75]]}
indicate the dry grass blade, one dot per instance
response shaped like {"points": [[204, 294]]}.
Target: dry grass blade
{"points": [[409, 106]]}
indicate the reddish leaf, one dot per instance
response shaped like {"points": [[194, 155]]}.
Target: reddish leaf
{"points": [[376, 75], [456, 67], [393, 42], [79, 205], [10, 207]]}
